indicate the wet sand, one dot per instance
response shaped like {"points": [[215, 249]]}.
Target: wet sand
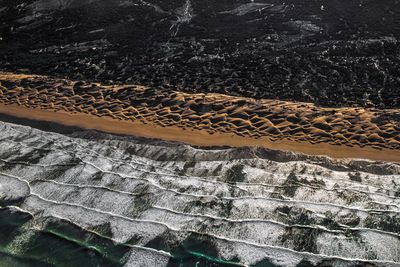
{"points": [[195, 137], [204, 119]]}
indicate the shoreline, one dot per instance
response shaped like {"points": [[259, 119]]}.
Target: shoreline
{"points": [[192, 136]]}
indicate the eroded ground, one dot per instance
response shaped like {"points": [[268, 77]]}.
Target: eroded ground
{"points": [[332, 53]]}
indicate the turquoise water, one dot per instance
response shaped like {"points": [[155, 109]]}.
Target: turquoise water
{"points": [[61, 243], [58, 244]]}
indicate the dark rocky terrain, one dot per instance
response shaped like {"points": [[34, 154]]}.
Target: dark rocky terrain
{"points": [[71, 197], [329, 52]]}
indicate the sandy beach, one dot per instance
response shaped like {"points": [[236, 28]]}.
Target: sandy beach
{"points": [[204, 119], [195, 137]]}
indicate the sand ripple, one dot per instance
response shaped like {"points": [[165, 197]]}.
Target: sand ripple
{"points": [[213, 113]]}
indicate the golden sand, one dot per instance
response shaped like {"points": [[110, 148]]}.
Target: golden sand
{"points": [[204, 119]]}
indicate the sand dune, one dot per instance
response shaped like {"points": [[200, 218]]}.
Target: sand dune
{"points": [[368, 133]]}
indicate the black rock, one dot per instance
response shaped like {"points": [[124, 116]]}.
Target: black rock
{"points": [[332, 53]]}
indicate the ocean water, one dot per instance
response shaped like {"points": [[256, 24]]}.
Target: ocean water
{"points": [[93, 199]]}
